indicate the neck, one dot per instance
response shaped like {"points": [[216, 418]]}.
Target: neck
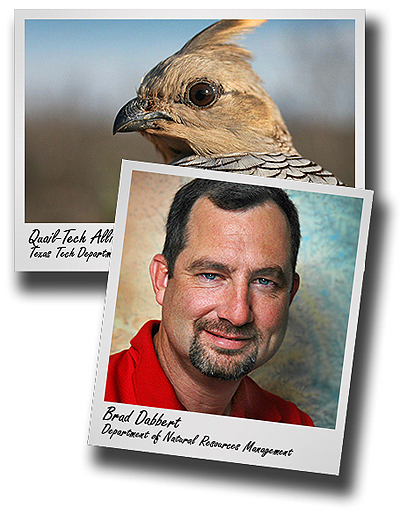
{"points": [[195, 391]]}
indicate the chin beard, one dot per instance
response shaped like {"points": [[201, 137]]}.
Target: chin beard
{"points": [[223, 363]]}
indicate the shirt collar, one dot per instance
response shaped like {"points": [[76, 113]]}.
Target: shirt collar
{"points": [[153, 389]]}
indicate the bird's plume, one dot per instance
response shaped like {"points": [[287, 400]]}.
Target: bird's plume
{"points": [[220, 33], [205, 101]]}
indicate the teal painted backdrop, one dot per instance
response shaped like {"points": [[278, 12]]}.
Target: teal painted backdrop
{"points": [[308, 367]]}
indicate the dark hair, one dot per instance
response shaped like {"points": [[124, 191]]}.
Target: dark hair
{"points": [[227, 196]]}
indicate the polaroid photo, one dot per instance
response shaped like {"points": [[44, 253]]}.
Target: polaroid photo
{"points": [[230, 317], [77, 72]]}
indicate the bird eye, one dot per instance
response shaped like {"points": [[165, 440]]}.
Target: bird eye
{"points": [[202, 94]]}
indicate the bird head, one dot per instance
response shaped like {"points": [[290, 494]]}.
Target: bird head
{"points": [[206, 100]]}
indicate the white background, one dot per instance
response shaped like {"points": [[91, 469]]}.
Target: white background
{"points": [[50, 332]]}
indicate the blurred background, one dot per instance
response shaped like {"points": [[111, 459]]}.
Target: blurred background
{"points": [[79, 72]]}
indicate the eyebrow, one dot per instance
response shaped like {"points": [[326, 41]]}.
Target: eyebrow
{"points": [[272, 271], [204, 263]]}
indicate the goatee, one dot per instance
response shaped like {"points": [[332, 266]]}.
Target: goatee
{"points": [[224, 363]]}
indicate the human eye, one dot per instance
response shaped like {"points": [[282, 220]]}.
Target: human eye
{"points": [[266, 282], [209, 276]]}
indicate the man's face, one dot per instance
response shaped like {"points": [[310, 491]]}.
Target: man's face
{"points": [[225, 309]]}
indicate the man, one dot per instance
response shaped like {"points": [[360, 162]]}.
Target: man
{"points": [[225, 281]]}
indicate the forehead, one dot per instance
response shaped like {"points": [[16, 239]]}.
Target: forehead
{"points": [[260, 232]]}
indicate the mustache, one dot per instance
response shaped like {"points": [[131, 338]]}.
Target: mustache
{"points": [[224, 327]]}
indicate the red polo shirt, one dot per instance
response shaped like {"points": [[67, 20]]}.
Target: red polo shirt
{"points": [[135, 377]]}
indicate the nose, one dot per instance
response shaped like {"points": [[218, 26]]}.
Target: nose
{"points": [[236, 306]]}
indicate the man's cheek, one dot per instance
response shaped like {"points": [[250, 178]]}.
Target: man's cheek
{"points": [[271, 316], [198, 303]]}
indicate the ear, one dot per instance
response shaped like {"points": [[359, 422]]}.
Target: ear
{"points": [[159, 276], [295, 287]]}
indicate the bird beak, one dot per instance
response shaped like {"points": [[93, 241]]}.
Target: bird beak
{"points": [[133, 117]]}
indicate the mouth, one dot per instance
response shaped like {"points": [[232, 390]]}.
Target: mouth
{"points": [[228, 341]]}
